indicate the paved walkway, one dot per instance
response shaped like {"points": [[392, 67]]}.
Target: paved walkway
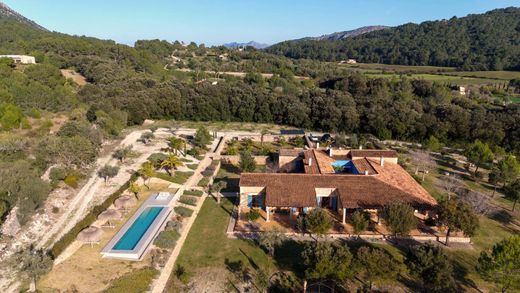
{"points": [[159, 284]]}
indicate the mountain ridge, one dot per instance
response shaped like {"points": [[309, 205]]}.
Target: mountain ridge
{"points": [[7, 12], [336, 36], [235, 45]]}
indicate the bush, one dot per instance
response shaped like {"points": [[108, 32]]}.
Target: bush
{"points": [[183, 212], [203, 182], [192, 166], [135, 281], [156, 159], [253, 215], [193, 152], [188, 200], [182, 274], [71, 180], [167, 239], [193, 192], [55, 210], [174, 225], [57, 174]]}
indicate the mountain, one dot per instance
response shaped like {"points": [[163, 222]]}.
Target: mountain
{"points": [[489, 41], [7, 13], [346, 34], [235, 45]]}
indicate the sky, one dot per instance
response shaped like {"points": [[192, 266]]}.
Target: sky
{"points": [[217, 22]]}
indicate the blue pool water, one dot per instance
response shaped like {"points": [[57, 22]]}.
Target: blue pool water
{"points": [[344, 166], [138, 229]]}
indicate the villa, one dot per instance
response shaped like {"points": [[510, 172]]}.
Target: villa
{"points": [[341, 181]]}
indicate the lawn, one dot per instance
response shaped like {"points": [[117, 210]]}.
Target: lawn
{"points": [[208, 247], [398, 68]]}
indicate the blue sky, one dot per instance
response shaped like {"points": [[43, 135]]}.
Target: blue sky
{"points": [[216, 22]]}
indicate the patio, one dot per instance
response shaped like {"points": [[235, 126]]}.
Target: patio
{"points": [[282, 220]]}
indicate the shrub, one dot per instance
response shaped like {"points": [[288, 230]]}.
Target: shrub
{"points": [[203, 182], [156, 159], [57, 174], [193, 152], [71, 180], [253, 215], [192, 166], [182, 274], [193, 192], [135, 281], [188, 200], [166, 239], [174, 225], [55, 210], [183, 211]]}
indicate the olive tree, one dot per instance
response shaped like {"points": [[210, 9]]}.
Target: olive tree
{"points": [[502, 264], [457, 216], [400, 218]]}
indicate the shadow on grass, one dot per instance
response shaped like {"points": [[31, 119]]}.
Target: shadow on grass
{"points": [[288, 257], [502, 216]]}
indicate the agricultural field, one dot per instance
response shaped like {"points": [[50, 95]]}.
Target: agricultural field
{"points": [[458, 80]]}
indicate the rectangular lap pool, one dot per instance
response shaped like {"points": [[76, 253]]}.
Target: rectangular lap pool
{"points": [[138, 228], [136, 235]]}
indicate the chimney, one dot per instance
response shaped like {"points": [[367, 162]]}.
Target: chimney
{"points": [[330, 152], [318, 145], [310, 161], [366, 172], [382, 161], [360, 147]]}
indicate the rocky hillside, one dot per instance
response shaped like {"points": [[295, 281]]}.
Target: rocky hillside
{"points": [[347, 34], [7, 13]]}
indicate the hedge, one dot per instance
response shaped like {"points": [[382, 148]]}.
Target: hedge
{"points": [[184, 212], [90, 218], [167, 239], [193, 192], [189, 200], [203, 182]]}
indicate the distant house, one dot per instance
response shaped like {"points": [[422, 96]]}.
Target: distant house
{"points": [[462, 91], [349, 61], [21, 59]]}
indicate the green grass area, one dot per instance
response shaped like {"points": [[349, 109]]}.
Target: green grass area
{"points": [[397, 68], [504, 75], [178, 177], [209, 231], [459, 80], [136, 281]]}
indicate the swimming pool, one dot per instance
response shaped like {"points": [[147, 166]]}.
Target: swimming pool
{"points": [[141, 224]]}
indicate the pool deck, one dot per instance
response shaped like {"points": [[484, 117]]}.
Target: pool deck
{"points": [[161, 199]]}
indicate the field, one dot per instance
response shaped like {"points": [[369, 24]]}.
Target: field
{"points": [[432, 73], [459, 80], [397, 68]]}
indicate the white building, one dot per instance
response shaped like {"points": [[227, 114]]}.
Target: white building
{"points": [[21, 59]]}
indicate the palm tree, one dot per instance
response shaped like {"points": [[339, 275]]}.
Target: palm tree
{"points": [[172, 162], [176, 144], [135, 189], [147, 171]]}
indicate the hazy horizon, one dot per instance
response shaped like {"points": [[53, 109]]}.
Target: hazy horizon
{"points": [[219, 22]]}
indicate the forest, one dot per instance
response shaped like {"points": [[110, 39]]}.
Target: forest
{"points": [[489, 41]]}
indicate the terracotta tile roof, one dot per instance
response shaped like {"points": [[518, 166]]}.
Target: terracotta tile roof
{"points": [[373, 154], [390, 183], [363, 165]]}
